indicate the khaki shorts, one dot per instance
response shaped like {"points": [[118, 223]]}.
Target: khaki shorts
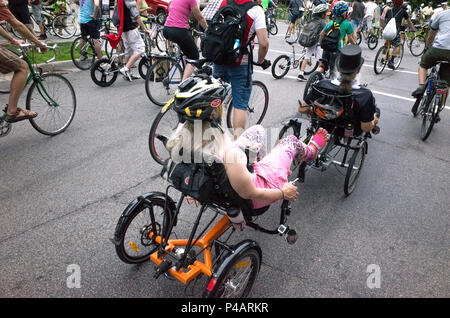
{"points": [[432, 56], [9, 62]]}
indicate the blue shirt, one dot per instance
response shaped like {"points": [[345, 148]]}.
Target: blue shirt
{"points": [[86, 10]]}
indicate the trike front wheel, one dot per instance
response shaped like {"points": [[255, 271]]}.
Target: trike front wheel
{"points": [[138, 230]]}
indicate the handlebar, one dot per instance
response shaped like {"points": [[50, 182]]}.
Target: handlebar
{"points": [[25, 46]]}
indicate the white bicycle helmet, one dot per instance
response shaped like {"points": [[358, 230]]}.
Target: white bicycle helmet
{"points": [[320, 8]]}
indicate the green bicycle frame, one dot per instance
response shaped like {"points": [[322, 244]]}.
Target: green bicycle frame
{"points": [[36, 78]]}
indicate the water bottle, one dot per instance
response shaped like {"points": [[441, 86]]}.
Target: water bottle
{"points": [[236, 44], [348, 132]]}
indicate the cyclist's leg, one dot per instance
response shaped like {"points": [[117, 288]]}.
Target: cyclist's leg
{"points": [[187, 45], [9, 62], [94, 32], [427, 61], [239, 78]]}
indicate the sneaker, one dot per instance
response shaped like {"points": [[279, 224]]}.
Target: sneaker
{"points": [[391, 65], [126, 74], [134, 77], [301, 78]]}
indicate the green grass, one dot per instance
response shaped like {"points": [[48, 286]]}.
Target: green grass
{"points": [[62, 54]]}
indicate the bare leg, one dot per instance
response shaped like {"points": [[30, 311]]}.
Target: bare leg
{"points": [[239, 120], [17, 85]]}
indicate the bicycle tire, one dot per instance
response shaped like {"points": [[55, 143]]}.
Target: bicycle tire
{"points": [[66, 23], [379, 60], [313, 79], [372, 42], [273, 29], [428, 116], [309, 69], [249, 260], [283, 62], [59, 95], [358, 38], [144, 231], [97, 69], [164, 124], [87, 51], [162, 80], [161, 42], [144, 65], [350, 183], [417, 45], [255, 100]]}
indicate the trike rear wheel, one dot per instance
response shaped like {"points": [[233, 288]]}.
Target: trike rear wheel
{"points": [[237, 274]]}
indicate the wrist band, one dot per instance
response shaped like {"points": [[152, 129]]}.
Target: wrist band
{"points": [[282, 194]]}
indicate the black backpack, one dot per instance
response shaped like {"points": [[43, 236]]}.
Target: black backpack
{"points": [[224, 38], [310, 33], [330, 41]]}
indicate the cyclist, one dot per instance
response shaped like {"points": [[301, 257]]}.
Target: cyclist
{"points": [[320, 14], [265, 6], [89, 17], [387, 7], [358, 13], [9, 62], [370, 14], [237, 74], [399, 14], [209, 11], [339, 14], [438, 42], [132, 41], [364, 109], [176, 29], [428, 11], [19, 8], [295, 9], [36, 9], [269, 181]]}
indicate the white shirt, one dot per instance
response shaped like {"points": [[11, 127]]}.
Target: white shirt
{"points": [[370, 8], [259, 22]]}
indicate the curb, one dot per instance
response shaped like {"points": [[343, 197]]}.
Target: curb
{"points": [[58, 66]]}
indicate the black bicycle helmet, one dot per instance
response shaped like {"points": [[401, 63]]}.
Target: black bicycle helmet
{"points": [[197, 97]]}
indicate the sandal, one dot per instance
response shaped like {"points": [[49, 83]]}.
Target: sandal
{"points": [[15, 118]]}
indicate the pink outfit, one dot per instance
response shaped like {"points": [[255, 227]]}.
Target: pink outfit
{"points": [[272, 171], [179, 12]]}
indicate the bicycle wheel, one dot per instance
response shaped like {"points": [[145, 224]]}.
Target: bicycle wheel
{"points": [[311, 66], [104, 73], [163, 125], [83, 56], [136, 232], [161, 42], [144, 65], [313, 79], [281, 66], [257, 106], [162, 80], [358, 38], [53, 98], [64, 26], [380, 62], [417, 45], [354, 169], [372, 42], [237, 275], [273, 28], [429, 112]]}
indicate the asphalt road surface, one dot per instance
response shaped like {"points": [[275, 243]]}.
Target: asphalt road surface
{"points": [[61, 198]]}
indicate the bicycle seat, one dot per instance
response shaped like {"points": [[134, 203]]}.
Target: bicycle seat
{"points": [[197, 63], [290, 42]]}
